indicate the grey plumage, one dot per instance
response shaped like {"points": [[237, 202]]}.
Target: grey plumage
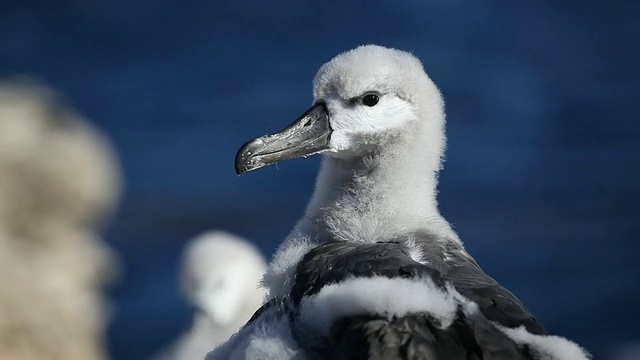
{"points": [[416, 336]]}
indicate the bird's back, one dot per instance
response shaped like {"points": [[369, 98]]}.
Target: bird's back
{"points": [[371, 331]]}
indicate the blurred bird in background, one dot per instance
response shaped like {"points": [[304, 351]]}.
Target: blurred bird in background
{"points": [[220, 276], [59, 182]]}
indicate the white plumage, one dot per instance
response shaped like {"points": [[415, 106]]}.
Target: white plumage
{"points": [[220, 278]]}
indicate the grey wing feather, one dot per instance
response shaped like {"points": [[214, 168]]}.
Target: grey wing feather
{"points": [[494, 301], [417, 335]]}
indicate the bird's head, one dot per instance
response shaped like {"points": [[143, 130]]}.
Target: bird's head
{"points": [[365, 100]]}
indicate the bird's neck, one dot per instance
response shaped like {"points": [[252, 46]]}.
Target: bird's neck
{"points": [[375, 197]]}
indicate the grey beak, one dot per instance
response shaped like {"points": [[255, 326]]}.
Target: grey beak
{"points": [[308, 135]]}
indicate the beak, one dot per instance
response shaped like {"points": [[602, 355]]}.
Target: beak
{"points": [[308, 135]]}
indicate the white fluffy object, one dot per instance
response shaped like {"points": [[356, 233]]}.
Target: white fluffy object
{"points": [[377, 295], [220, 278], [546, 347]]}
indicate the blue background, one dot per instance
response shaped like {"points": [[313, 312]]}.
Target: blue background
{"points": [[542, 172]]}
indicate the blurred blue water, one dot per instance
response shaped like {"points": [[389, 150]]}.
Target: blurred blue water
{"points": [[542, 172]]}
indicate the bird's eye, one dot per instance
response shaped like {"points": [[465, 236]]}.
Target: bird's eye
{"points": [[370, 100]]}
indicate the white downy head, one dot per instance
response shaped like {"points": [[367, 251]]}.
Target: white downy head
{"points": [[220, 275], [378, 97]]}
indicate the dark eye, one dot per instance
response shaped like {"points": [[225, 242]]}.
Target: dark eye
{"points": [[370, 99]]}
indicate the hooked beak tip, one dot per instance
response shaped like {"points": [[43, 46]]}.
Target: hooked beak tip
{"points": [[245, 158]]}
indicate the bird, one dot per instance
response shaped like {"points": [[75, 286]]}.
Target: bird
{"points": [[60, 184], [219, 277], [372, 270]]}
